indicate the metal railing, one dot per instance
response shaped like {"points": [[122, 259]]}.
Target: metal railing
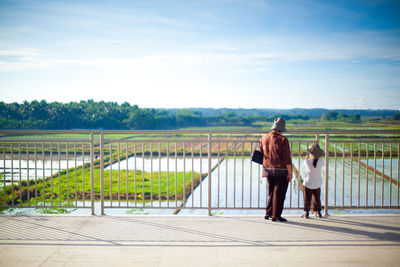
{"points": [[42, 173], [189, 170]]}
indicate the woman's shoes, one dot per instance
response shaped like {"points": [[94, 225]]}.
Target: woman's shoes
{"points": [[305, 215], [266, 217], [318, 214], [280, 219]]}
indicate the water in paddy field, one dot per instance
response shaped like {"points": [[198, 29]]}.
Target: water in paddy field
{"points": [[244, 188], [16, 169], [147, 164], [384, 166]]}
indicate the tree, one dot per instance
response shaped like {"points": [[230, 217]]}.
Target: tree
{"points": [[396, 116], [331, 116], [140, 119]]}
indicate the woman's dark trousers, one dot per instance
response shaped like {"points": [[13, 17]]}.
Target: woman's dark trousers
{"points": [[278, 185]]}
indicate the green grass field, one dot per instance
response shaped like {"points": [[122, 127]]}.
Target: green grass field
{"points": [[291, 125], [71, 185]]}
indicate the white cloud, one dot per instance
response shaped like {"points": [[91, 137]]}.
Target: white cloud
{"points": [[229, 55], [31, 52], [245, 71], [212, 47], [360, 103], [32, 59]]}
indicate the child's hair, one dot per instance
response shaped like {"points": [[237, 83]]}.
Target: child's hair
{"points": [[314, 163]]}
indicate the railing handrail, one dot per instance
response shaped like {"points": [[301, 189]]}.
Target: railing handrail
{"points": [[368, 131]]}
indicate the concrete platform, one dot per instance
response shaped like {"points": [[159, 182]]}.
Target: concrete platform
{"points": [[56, 240]]}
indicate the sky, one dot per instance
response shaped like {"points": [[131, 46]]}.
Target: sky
{"points": [[217, 53]]}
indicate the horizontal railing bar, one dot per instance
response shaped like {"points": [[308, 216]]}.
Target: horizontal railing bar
{"points": [[48, 131], [183, 208], [45, 140], [362, 207], [178, 141], [47, 207], [155, 141], [371, 141], [187, 141], [256, 141], [252, 132], [186, 208], [153, 207], [380, 132], [193, 141], [173, 141], [244, 208]]}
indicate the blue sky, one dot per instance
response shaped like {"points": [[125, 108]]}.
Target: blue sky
{"points": [[221, 53]]}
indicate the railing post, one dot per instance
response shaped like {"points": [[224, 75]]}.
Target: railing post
{"points": [[209, 172], [102, 172], [92, 171], [326, 173]]}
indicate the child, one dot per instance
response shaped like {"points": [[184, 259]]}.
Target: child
{"points": [[313, 179]]}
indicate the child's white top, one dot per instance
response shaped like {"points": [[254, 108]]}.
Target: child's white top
{"points": [[313, 178]]}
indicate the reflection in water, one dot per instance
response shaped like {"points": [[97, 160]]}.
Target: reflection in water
{"points": [[147, 164], [13, 170]]}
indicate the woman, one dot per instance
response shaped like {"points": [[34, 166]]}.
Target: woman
{"points": [[277, 165], [313, 179]]}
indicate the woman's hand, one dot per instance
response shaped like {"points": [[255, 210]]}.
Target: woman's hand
{"points": [[289, 177]]}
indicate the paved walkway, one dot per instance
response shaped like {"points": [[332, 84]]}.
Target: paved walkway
{"points": [[199, 241]]}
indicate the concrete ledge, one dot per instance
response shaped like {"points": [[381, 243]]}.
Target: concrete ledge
{"points": [[52, 240]]}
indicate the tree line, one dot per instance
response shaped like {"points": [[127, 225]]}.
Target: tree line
{"points": [[339, 116], [110, 115]]}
